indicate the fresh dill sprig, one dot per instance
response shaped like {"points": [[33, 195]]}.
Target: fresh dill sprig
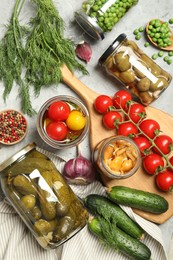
{"points": [[45, 51], [12, 55]]}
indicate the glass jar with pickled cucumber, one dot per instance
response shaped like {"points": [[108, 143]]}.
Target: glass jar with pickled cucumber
{"points": [[99, 16], [126, 62], [40, 195]]}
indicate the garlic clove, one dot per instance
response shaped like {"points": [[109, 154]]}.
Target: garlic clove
{"points": [[83, 51]]}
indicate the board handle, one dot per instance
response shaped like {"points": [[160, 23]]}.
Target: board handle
{"points": [[87, 94]]}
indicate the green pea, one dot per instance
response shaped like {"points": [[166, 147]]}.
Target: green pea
{"points": [[154, 56], [95, 7], [157, 24], [146, 44], [162, 29], [151, 35], [171, 20], [157, 35], [141, 29], [150, 27], [169, 62], [160, 40], [160, 53], [166, 58], [138, 37], [161, 44], [170, 53], [136, 31], [154, 39], [152, 22]]}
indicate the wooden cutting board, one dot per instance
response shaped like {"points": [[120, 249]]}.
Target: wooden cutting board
{"points": [[140, 180]]}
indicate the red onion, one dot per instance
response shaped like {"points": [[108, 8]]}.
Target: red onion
{"points": [[84, 51], [79, 171]]}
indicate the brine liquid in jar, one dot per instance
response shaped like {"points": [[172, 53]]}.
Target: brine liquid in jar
{"points": [[125, 61], [42, 198]]}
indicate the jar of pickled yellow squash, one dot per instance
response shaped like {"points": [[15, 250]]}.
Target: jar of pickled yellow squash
{"points": [[96, 17], [126, 62], [42, 198], [117, 157]]}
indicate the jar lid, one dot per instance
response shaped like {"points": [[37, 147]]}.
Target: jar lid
{"points": [[89, 25], [112, 47], [16, 156]]}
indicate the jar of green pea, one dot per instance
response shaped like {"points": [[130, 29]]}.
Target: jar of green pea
{"points": [[99, 16], [137, 72]]}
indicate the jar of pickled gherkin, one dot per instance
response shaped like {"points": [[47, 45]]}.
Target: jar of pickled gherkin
{"points": [[42, 198], [99, 16], [125, 61]]}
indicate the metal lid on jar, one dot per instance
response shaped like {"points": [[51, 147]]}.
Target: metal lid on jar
{"points": [[112, 47], [16, 156], [89, 25]]}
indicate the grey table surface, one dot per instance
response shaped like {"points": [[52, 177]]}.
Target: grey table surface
{"points": [[96, 80]]}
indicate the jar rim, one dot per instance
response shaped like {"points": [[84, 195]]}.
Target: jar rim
{"points": [[61, 144], [138, 162], [112, 47], [88, 24], [16, 156]]}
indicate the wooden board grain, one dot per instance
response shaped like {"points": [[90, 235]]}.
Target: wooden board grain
{"points": [[140, 180]]}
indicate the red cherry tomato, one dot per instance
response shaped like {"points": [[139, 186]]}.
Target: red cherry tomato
{"points": [[102, 103], [164, 143], [143, 143], [120, 98], [136, 111], [111, 119], [171, 162], [127, 128], [164, 180], [57, 130], [150, 127], [59, 111], [152, 162]]}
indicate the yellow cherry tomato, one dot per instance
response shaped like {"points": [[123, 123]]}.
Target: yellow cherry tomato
{"points": [[76, 120]]}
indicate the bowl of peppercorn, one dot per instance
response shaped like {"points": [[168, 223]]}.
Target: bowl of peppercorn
{"points": [[13, 127]]}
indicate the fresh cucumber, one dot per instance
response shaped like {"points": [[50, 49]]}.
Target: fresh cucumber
{"points": [[138, 199], [118, 239], [102, 206]]}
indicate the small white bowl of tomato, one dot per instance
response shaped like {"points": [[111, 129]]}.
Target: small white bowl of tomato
{"points": [[63, 121]]}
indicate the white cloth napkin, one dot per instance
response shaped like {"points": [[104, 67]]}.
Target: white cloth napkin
{"points": [[18, 243]]}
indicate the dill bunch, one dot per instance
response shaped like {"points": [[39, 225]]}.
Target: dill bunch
{"points": [[12, 55], [45, 51]]}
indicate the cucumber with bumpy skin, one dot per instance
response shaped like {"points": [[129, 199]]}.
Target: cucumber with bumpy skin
{"points": [[102, 206], [118, 239], [143, 200]]}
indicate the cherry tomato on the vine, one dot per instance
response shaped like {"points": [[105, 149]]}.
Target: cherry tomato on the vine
{"points": [[111, 119], [164, 143], [59, 111], [171, 162], [136, 112], [57, 130], [143, 143], [152, 162], [127, 128], [102, 103], [120, 98], [150, 127], [164, 180]]}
